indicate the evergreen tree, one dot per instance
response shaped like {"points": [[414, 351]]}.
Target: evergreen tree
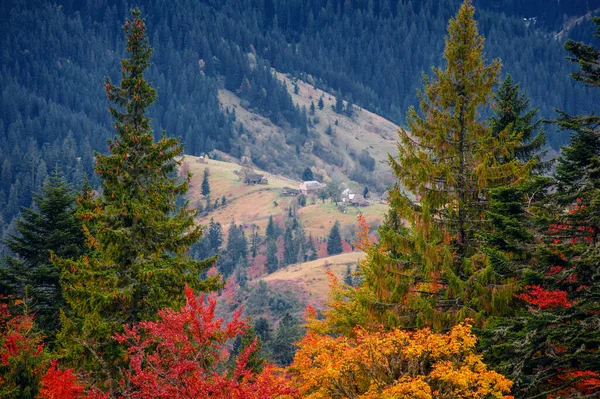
{"points": [[307, 175], [215, 235], [48, 229], [273, 229], [339, 104], [205, 183], [312, 108], [434, 273], [348, 280], [289, 247], [511, 113], [288, 332], [272, 263], [139, 237], [321, 104], [334, 241], [236, 250], [311, 251], [550, 347]]}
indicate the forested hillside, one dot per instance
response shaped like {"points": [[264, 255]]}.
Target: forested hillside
{"points": [[55, 55]]}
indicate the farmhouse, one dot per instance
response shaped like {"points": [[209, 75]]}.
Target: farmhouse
{"points": [[348, 197], [290, 192], [309, 187], [201, 159], [358, 200], [255, 178]]}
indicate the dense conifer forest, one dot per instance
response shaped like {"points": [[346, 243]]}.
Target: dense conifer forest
{"points": [[55, 56], [482, 279]]}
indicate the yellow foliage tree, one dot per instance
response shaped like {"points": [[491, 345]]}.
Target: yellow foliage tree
{"points": [[429, 268], [396, 364]]}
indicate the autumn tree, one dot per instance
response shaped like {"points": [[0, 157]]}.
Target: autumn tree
{"points": [[22, 355], [396, 364], [429, 269], [184, 354], [139, 237]]}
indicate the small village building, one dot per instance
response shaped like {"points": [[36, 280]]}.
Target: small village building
{"points": [[255, 178], [201, 159], [310, 187], [290, 192], [358, 200]]}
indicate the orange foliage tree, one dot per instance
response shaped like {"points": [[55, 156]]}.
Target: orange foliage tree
{"points": [[395, 364]]}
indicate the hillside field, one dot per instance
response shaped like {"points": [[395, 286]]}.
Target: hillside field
{"points": [[312, 277], [253, 204]]}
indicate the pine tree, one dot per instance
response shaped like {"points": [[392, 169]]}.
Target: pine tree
{"points": [[205, 183], [430, 270], [139, 237], [321, 104], [312, 108], [334, 241], [512, 112], [49, 229]]}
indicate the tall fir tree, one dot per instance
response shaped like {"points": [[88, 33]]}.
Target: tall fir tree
{"points": [[429, 268], [48, 229], [139, 237]]}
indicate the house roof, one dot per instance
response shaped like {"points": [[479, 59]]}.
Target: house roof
{"points": [[312, 184]]}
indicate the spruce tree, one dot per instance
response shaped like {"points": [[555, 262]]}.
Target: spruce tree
{"points": [[307, 175], [48, 229], [321, 104], [429, 269], [272, 262], [311, 251], [334, 241], [512, 113], [139, 237], [551, 347], [289, 247], [339, 104], [205, 183]]}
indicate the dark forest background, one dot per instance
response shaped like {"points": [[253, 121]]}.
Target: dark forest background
{"points": [[54, 56]]}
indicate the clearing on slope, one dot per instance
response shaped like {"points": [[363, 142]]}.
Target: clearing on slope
{"points": [[312, 276]]}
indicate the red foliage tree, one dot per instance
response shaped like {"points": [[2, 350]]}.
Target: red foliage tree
{"points": [[21, 355], [184, 354], [257, 268], [544, 299]]}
